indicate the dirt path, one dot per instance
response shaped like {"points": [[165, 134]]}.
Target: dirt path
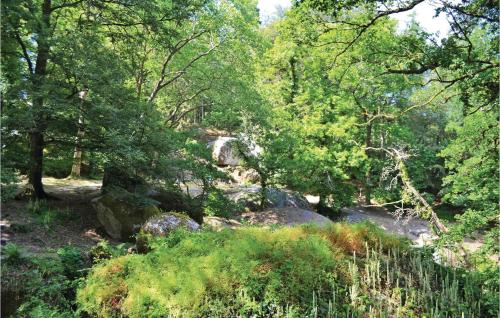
{"points": [[68, 220]]}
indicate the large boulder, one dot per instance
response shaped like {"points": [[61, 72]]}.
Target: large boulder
{"points": [[243, 175], [225, 152], [122, 213], [161, 226], [284, 216], [275, 198]]}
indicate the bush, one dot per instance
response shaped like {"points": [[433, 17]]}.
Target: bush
{"points": [[338, 271], [249, 272], [104, 250], [8, 184], [13, 253], [217, 204], [46, 285]]}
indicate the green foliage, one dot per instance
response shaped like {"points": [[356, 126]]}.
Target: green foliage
{"points": [[12, 253], [8, 184], [72, 261], [347, 270], [45, 215], [104, 250], [45, 284], [217, 204]]}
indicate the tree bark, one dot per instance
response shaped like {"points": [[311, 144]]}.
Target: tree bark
{"points": [[37, 132], [263, 190], [368, 175], [77, 154]]}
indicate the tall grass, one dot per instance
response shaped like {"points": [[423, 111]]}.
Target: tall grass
{"points": [[404, 283]]}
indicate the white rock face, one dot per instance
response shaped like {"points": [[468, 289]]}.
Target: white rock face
{"points": [[225, 152]]}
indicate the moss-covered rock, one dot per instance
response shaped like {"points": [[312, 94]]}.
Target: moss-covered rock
{"points": [[122, 213]]}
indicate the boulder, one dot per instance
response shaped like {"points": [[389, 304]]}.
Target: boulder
{"points": [[123, 213], [285, 216], [244, 176], [275, 198], [225, 152], [161, 225], [218, 223]]}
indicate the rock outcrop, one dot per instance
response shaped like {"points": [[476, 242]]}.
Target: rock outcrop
{"points": [[285, 216], [225, 152], [123, 213]]}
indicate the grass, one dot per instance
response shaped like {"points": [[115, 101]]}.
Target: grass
{"points": [[45, 215]]}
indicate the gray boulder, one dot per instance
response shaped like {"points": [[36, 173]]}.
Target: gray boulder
{"points": [[161, 226], [123, 213]]}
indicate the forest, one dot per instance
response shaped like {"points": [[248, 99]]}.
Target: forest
{"points": [[187, 158]]}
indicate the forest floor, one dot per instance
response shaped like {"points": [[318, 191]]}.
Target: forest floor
{"points": [[72, 220]]}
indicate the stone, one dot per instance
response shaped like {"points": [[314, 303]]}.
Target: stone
{"points": [[244, 176], [122, 213], [225, 152], [161, 226], [285, 216], [219, 223]]}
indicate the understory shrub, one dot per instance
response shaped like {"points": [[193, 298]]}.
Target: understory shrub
{"points": [[336, 271], [43, 286]]}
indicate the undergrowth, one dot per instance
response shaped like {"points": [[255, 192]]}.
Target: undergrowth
{"points": [[338, 271]]}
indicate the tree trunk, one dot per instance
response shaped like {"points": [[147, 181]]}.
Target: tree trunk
{"points": [[35, 188], [77, 155], [368, 175], [263, 188], [37, 133]]}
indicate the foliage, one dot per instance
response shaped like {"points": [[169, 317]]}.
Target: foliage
{"points": [[8, 184], [217, 204], [46, 284], [12, 253], [46, 215], [347, 270], [104, 250]]}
